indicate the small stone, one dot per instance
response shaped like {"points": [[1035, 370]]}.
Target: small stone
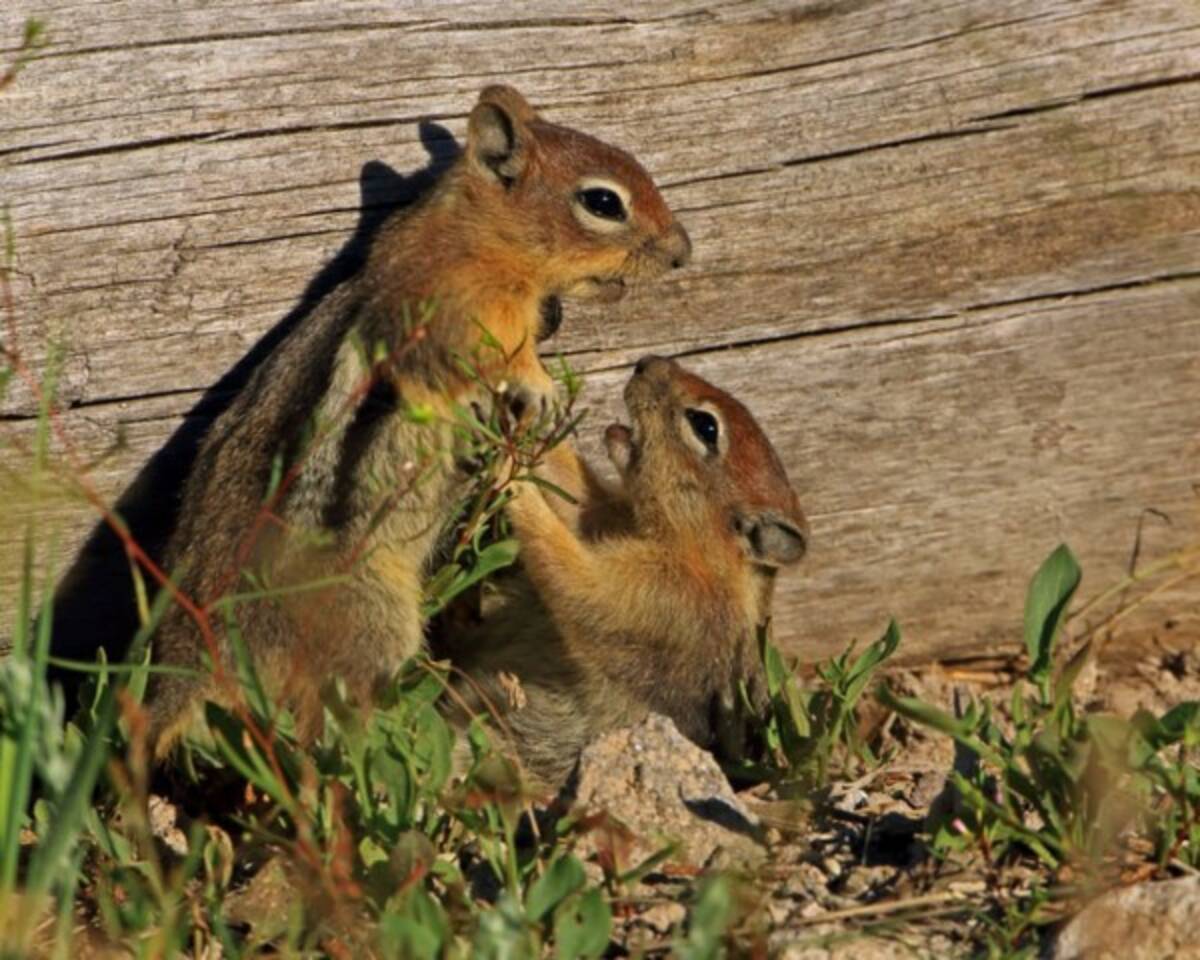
{"points": [[779, 911], [804, 881], [852, 800], [163, 815], [662, 918], [926, 787], [832, 867], [857, 883]]}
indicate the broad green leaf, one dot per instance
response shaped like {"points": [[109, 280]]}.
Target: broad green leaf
{"points": [[494, 557], [582, 926], [414, 925], [434, 746], [563, 877], [445, 588], [1112, 733], [1180, 723], [707, 920], [1045, 606]]}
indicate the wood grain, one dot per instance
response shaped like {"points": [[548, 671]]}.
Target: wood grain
{"points": [[949, 254]]}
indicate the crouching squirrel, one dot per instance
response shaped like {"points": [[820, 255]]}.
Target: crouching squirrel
{"points": [[656, 603]]}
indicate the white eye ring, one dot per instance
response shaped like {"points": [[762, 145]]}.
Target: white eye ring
{"points": [[688, 428], [594, 222]]}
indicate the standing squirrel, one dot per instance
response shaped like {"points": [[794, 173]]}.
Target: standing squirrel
{"points": [[654, 604], [338, 457]]}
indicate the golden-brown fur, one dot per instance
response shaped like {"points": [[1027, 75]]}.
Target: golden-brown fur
{"points": [[366, 490], [656, 608]]}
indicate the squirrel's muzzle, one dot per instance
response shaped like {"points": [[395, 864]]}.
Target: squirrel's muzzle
{"points": [[677, 246]]}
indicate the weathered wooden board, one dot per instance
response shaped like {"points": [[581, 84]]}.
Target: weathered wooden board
{"points": [[948, 252]]}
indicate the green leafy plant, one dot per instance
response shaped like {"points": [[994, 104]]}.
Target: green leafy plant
{"points": [[809, 734], [1065, 785], [503, 452]]}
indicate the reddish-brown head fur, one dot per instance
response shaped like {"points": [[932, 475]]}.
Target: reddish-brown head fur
{"points": [[698, 463], [529, 212], [585, 214]]}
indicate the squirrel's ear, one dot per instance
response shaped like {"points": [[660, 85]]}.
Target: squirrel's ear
{"points": [[498, 133], [771, 539]]}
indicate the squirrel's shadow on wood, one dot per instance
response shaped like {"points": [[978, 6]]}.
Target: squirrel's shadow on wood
{"points": [[95, 604]]}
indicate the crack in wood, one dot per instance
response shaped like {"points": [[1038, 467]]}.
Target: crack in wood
{"points": [[87, 152], [226, 136], [1180, 276], [912, 320], [841, 154], [1101, 94], [544, 23], [274, 238], [108, 225], [233, 36], [898, 143], [823, 332]]}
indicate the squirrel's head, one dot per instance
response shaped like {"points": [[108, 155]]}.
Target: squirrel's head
{"points": [[695, 459], [587, 213]]}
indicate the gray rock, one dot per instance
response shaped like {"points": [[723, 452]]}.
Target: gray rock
{"points": [[651, 786], [1150, 921]]}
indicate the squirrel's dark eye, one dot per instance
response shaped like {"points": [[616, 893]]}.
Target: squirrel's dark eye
{"points": [[704, 426], [551, 310], [602, 202]]}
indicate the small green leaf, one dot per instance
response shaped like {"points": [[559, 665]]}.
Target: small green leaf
{"points": [[860, 673], [419, 413], [707, 921], [1070, 673], [1180, 723], [797, 712], [370, 852], [415, 925], [1045, 606], [777, 673], [552, 487], [582, 926], [487, 338], [923, 713], [494, 557], [563, 877], [445, 587]]}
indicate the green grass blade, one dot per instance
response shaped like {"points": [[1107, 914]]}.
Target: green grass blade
{"points": [[13, 800], [50, 855]]}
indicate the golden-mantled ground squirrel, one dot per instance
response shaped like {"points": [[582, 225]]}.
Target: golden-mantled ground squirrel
{"points": [[657, 607], [530, 211]]}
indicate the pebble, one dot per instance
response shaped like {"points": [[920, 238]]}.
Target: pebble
{"points": [[832, 867]]}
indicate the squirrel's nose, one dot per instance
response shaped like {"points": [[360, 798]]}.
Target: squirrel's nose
{"points": [[678, 246], [648, 361]]}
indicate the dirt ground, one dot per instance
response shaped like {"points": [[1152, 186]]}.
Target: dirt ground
{"points": [[858, 881]]}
